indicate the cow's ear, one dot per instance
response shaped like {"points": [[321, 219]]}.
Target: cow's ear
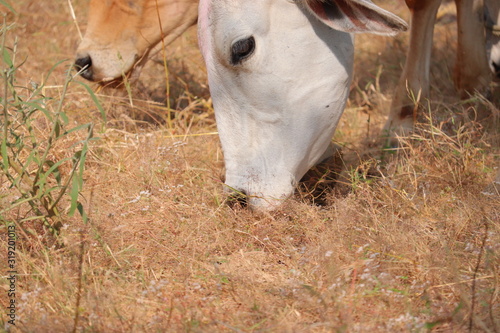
{"points": [[356, 16]]}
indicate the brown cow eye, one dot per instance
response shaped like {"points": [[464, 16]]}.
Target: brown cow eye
{"points": [[242, 49]]}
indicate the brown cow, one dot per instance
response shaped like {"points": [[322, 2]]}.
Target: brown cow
{"points": [[472, 73], [121, 33]]}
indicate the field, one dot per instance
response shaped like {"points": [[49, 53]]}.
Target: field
{"points": [[144, 241]]}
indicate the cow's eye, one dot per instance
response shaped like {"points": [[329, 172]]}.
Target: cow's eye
{"points": [[242, 49]]}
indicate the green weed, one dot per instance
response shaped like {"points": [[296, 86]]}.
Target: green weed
{"points": [[42, 157]]}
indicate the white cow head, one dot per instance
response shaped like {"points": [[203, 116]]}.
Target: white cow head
{"points": [[492, 20], [279, 73]]}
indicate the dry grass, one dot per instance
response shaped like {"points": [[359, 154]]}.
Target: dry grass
{"points": [[406, 242]]}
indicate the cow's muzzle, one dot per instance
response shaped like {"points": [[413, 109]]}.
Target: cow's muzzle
{"points": [[236, 197]]}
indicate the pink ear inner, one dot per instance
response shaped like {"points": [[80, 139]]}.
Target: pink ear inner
{"points": [[336, 7], [318, 9], [356, 16]]}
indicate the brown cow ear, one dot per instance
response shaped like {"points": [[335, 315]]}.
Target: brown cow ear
{"points": [[356, 16]]}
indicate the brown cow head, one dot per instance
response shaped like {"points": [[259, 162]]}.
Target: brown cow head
{"points": [[120, 34]]}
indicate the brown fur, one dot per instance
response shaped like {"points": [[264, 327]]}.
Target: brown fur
{"points": [[120, 30]]}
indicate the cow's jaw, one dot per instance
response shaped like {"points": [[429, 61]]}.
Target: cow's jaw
{"points": [[273, 131]]}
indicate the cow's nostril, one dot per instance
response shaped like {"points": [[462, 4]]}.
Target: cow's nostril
{"points": [[84, 65], [237, 197]]}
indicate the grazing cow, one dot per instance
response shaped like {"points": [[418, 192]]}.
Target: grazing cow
{"points": [[474, 60], [285, 62], [279, 73], [120, 34]]}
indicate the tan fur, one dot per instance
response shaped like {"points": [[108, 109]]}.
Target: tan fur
{"points": [[125, 31]]}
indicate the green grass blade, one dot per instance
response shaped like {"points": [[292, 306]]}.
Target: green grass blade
{"points": [[8, 6], [94, 99]]}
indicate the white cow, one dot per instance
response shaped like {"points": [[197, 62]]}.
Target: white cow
{"points": [[279, 73]]}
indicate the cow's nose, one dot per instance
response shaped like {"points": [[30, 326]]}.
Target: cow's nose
{"points": [[83, 64]]}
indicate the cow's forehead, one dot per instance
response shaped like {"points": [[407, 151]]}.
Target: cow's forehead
{"points": [[217, 17]]}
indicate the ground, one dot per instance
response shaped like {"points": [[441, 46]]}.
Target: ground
{"points": [[404, 241]]}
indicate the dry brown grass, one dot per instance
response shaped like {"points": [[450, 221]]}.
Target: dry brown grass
{"points": [[398, 247]]}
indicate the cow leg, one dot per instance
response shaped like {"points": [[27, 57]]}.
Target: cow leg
{"points": [[413, 86], [471, 69]]}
